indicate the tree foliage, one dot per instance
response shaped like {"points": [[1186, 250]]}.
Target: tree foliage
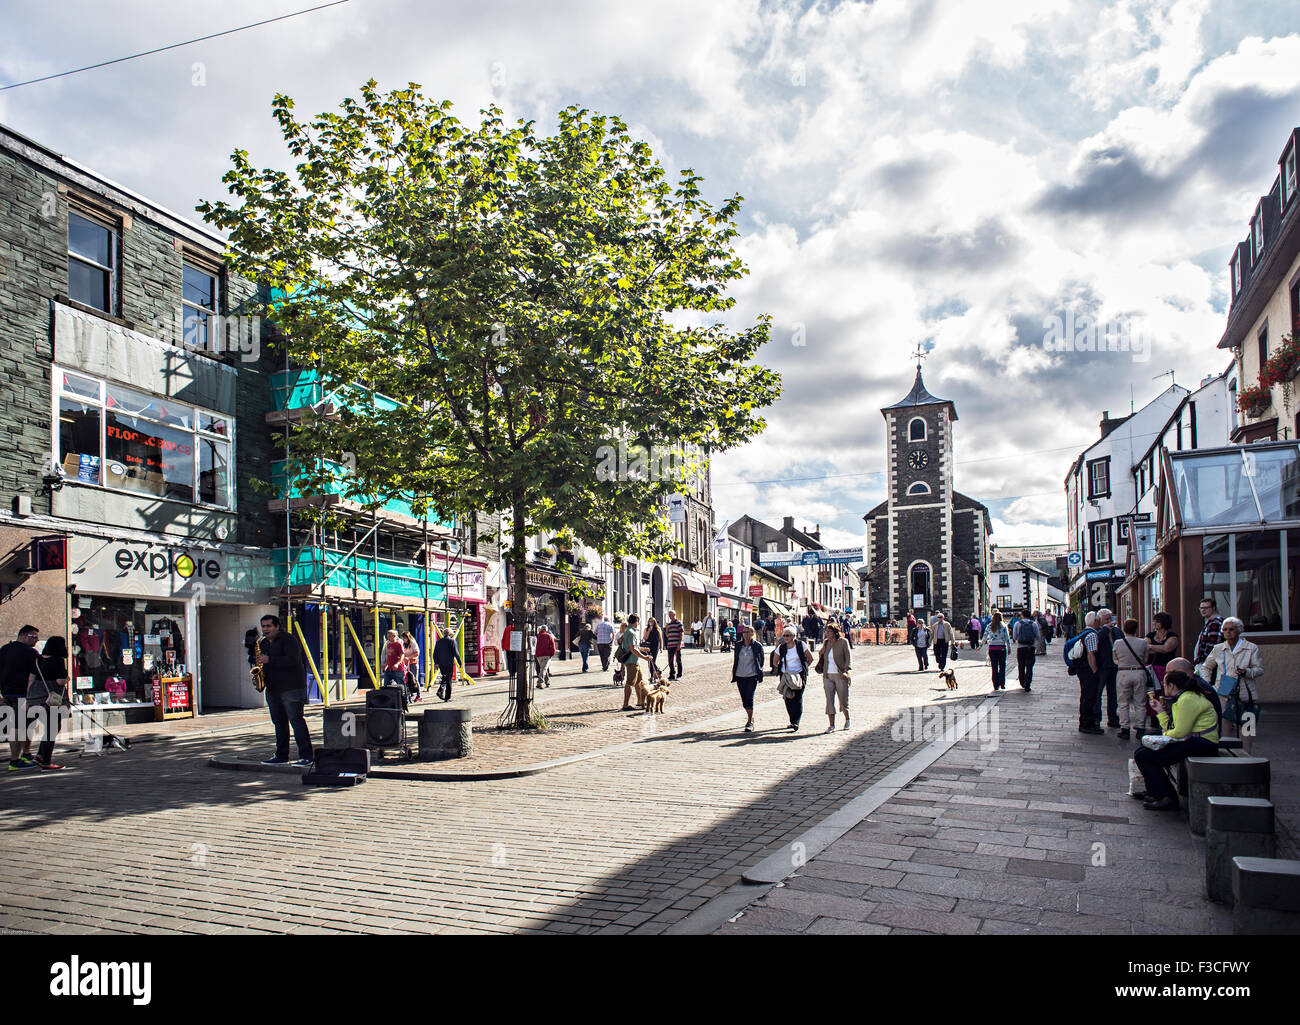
{"points": [[526, 299]]}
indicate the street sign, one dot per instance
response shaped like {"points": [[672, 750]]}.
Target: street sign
{"points": [[1075, 559], [725, 580], [756, 590], [677, 509]]}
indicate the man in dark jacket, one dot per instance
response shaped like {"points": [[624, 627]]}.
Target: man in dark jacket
{"points": [[444, 657], [18, 662], [286, 691]]}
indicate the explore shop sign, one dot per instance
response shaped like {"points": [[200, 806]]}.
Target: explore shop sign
{"points": [[99, 565]]}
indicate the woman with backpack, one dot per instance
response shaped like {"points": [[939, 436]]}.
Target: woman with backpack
{"points": [[998, 641], [833, 663], [1027, 636], [790, 661]]}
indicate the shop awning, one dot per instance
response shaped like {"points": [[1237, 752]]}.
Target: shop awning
{"points": [[687, 582], [711, 589], [778, 608]]}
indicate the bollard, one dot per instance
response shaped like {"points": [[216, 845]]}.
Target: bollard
{"points": [[1222, 777], [445, 733], [1266, 897], [343, 727], [1236, 827]]}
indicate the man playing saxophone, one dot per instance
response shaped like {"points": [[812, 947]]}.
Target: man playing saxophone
{"points": [[282, 667]]}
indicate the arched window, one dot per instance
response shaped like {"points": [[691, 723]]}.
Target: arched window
{"points": [[919, 488], [916, 429]]}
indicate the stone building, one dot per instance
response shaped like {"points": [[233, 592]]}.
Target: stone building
{"points": [[927, 544]]}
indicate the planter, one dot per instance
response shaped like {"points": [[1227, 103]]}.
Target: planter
{"points": [[1257, 409]]}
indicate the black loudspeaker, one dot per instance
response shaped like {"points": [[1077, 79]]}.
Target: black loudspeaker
{"points": [[342, 759], [385, 718]]}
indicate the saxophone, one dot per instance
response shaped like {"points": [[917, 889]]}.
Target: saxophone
{"points": [[256, 671]]}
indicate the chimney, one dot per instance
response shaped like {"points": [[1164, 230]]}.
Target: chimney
{"points": [[787, 523]]}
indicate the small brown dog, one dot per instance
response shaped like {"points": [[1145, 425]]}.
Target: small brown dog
{"points": [[948, 677], [655, 699]]}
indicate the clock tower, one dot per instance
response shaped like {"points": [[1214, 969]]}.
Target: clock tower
{"points": [[926, 544]]}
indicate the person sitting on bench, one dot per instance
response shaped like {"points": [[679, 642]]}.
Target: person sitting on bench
{"points": [[1194, 733]]}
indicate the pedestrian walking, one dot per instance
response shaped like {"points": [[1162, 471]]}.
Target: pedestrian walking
{"points": [[444, 657], [586, 638], [921, 642], [973, 630], [1162, 645], [1027, 637], [394, 661], [747, 672], [710, 627], [286, 690], [18, 670], [48, 694], [791, 660], [943, 638], [1107, 636], [697, 628], [812, 627], [653, 640], [673, 634], [834, 662], [1232, 666], [629, 655], [998, 641], [604, 641], [1131, 679], [544, 651], [411, 666]]}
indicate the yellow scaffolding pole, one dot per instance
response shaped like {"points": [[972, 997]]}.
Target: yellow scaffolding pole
{"points": [[325, 644], [361, 650], [311, 662]]}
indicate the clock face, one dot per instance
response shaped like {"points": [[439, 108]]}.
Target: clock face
{"points": [[918, 460]]}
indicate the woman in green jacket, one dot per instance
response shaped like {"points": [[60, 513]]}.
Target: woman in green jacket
{"points": [[1193, 730]]}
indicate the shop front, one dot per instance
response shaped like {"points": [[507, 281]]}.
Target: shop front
{"points": [[548, 594], [1228, 529], [690, 596], [467, 601], [156, 629]]}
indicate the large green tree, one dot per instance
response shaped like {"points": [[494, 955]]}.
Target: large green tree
{"points": [[533, 301]]}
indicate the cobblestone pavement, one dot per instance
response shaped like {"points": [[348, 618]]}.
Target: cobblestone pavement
{"points": [[154, 840], [1039, 836]]}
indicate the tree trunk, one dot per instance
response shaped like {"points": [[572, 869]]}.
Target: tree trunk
{"points": [[519, 613]]}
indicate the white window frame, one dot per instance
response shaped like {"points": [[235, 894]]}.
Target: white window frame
{"points": [[1257, 235], [57, 393], [1235, 264], [922, 485], [1288, 175], [925, 430], [115, 247]]}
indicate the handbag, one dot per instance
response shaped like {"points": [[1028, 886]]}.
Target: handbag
{"points": [[1151, 677]]}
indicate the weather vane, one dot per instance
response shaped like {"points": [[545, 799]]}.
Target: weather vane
{"points": [[921, 353]]}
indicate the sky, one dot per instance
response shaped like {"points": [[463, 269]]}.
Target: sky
{"points": [[945, 173]]}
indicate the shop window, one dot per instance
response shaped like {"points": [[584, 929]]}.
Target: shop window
{"points": [[129, 441], [92, 261], [118, 644], [1215, 569], [1258, 580]]}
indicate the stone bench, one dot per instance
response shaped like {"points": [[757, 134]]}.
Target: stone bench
{"points": [[1236, 827], [1266, 897], [1222, 777], [445, 733]]}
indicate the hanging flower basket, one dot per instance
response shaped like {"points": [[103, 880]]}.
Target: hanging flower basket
{"points": [[1253, 400]]}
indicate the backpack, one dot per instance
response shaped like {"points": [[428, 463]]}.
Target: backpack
{"points": [[1025, 632], [1072, 656], [778, 657]]}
